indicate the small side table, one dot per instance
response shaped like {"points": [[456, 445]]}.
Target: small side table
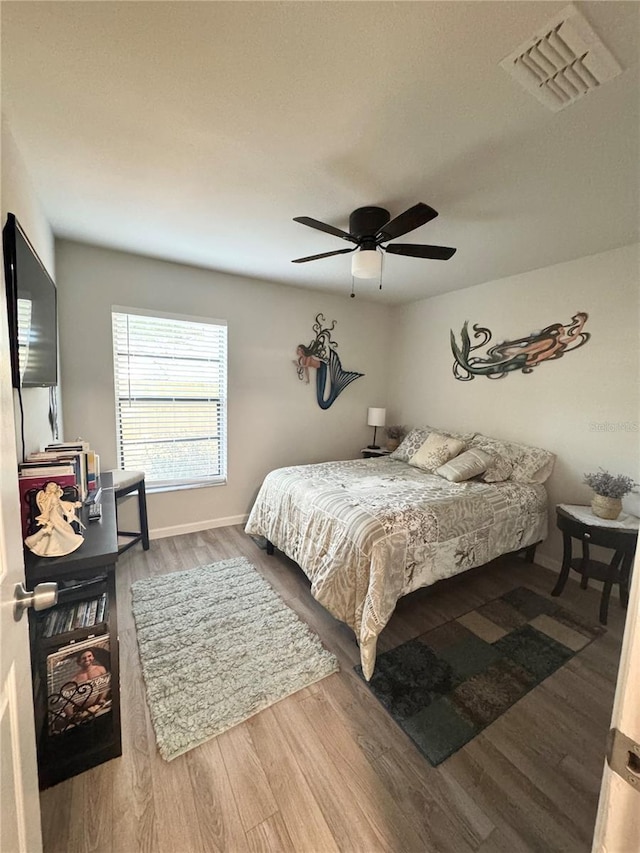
{"points": [[622, 540], [369, 453]]}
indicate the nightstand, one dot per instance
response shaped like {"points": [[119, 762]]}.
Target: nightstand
{"points": [[368, 453], [591, 530]]}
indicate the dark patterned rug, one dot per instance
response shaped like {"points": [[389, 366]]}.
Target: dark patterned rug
{"points": [[449, 684]]}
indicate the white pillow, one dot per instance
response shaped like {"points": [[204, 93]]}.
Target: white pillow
{"points": [[414, 440], [435, 451], [519, 462], [465, 466]]}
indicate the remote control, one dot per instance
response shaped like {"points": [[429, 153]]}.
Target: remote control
{"points": [[95, 512]]}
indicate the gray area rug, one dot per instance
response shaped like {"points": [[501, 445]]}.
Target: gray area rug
{"points": [[217, 645]]}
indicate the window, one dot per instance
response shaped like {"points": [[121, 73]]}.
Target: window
{"points": [[171, 387]]}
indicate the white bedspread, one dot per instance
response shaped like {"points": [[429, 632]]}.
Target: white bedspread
{"points": [[367, 531]]}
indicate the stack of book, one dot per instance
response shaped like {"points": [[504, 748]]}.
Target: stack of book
{"points": [[66, 463], [70, 617]]}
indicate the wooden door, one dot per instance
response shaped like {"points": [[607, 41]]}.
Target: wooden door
{"points": [[20, 804], [618, 822]]}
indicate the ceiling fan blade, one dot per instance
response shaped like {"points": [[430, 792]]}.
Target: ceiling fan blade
{"points": [[412, 218], [323, 255], [436, 253], [322, 226]]}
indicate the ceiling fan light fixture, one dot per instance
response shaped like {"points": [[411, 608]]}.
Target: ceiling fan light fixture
{"points": [[367, 263], [369, 228]]}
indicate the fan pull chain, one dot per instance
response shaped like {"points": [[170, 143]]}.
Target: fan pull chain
{"points": [[381, 264], [353, 287]]}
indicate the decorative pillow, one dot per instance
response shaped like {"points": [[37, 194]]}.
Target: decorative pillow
{"points": [[435, 451], [465, 466], [529, 468], [498, 471], [501, 465], [411, 443], [414, 440], [518, 462]]}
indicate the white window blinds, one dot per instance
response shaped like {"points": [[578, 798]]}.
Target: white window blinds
{"points": [[25, 307], [171, 387]]}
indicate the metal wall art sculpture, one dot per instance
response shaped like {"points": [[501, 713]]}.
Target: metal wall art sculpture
{"points": [[522, 354], [321, 354]]}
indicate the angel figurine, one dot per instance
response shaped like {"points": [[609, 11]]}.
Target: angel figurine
{"points": [[55, 536]]}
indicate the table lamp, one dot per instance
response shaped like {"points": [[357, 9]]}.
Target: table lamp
{"points": [[375, 418]]}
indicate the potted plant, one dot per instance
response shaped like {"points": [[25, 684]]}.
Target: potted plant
{"points": [[395, 434], [609, 491]]}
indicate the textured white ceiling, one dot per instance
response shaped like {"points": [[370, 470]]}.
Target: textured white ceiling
{"points": [[196, 131]]}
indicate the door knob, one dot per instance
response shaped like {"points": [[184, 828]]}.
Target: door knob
{"points": [[43, 596]]}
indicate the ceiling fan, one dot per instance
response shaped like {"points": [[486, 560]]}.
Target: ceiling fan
{"points": [[369, 228]]}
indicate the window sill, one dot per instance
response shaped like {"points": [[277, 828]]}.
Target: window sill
{"points": [[180, 487]]}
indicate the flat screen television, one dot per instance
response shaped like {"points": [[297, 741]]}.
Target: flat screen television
{"points": [[32, 309]]}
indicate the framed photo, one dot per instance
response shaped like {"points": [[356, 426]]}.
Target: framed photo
{"points": [[78, 684]]}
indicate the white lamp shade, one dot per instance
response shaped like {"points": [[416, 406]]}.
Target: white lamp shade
{"points": [[367, 263], [376, 417]]}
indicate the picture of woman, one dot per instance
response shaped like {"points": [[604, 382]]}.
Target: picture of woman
{"points": [[305, 360]]}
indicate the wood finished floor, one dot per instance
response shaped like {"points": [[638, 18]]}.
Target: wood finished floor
{"points": [[327, 769]]}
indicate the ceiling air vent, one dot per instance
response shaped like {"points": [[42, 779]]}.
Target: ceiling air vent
{"points": [[563, 61]]}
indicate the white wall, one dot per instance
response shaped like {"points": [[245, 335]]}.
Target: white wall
{"points": [[560, 405], [273, 418], [19, 197]]}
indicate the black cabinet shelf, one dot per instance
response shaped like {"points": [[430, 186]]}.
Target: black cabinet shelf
{"points": [[79, 749], [45, 644], [78, 608], [70, 736]]}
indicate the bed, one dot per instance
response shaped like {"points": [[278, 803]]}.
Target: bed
{"points": [[368, 531]]}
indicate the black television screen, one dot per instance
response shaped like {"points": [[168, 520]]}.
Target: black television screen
{"points": [[31, 302]]}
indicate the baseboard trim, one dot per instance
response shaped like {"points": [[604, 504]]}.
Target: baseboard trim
{"points": [[197, 526], [547, 562]]}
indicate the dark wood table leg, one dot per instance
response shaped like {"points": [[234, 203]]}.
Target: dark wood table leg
{"points": [[584, 568], [566, 564], [612, 577], [144, 521], [269, 548], [625, 572]]}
